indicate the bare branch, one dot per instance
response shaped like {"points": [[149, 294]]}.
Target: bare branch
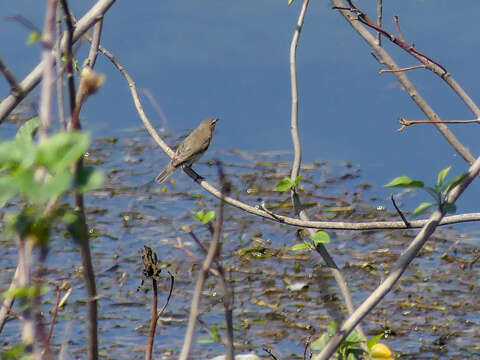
{"points": [[379, 20], [409, 87]]}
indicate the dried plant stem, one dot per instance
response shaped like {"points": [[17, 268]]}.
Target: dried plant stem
{"points": [[153, 321]]}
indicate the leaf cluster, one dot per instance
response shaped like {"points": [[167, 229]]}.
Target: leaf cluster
{"points": [[438, 192], [41, 172]]}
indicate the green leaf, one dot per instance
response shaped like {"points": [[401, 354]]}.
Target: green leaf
{"points": [[320, 343], [297, 179], [33, 37], [14, 154], [320, 237], [19, 291], [88, 178], [452, 183], [355, 337], [27, 131], [61, 150], [332, 328], [422, 208], [433, 192], [374, 340], [284, 185], [205, 341], [40, 192], [14, 353], [8, 190], [404, 181], [450, 208], [290, 2], [203, 217], [298, 247], [442, 175]]}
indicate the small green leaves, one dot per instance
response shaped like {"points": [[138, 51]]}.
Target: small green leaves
{"points": [[302, 246], [203, 217], [420, 209], [439, 192], [88, 178], [290, 2], [33, 37], [60, 151], [450, 208], [374, 340], [27, 131], [405, 182], [286, 184], [43, 172], [350, 348], [22, 291], [441, 176], [320, 237], [452, 183]]}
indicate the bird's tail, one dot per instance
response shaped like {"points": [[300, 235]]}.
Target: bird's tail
{"points": [[165, 174]]}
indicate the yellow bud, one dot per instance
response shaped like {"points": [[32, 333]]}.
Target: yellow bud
{"points": [[381, 352]]}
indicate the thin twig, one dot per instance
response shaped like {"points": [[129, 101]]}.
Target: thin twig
{"points": [[54, 316], [379, 20], [408, 68], [269, 352], [58, 62], [397, 26], [172, 283], [404, 122], [404, 219], [16, 89]]}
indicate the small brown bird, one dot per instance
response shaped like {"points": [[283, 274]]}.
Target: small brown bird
{"points": [[191, 149]]}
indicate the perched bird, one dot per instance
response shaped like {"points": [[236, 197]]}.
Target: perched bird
{"points": [[191, 149]]}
